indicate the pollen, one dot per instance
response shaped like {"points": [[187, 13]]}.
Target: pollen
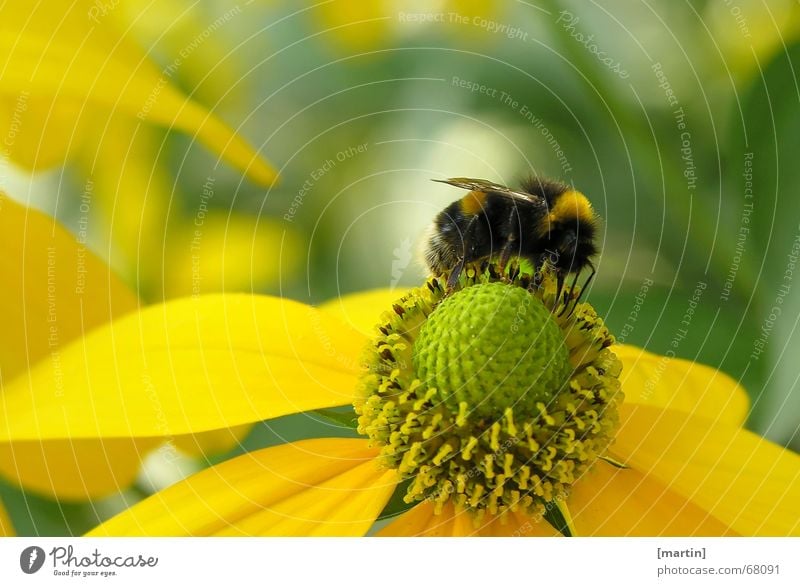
{"points": [[486, 396]]}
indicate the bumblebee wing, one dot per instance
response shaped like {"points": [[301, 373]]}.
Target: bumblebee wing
{"points": [[487, 186]]}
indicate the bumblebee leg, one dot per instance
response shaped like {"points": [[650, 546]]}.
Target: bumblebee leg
{"points": [[512, 239], [569, 296], [468, 253], [454, 274], [559, 288], [505, 255]]}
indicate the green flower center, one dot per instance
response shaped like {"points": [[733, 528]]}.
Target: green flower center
{"points": [[486, 396], [492, 346]]}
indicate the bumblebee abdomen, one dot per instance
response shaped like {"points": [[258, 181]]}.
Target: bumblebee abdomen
{"points": [[513, 221]]}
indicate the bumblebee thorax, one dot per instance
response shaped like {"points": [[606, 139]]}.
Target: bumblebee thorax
{"points": [[571, 206]]}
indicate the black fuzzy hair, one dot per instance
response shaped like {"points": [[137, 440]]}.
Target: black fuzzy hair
{"points": [[544, 188]]}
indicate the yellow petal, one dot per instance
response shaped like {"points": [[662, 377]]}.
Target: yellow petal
{"points": [[613, 502], [681, 385], [186, 23], [422, 522], [213, 442], [312, 487], [40, 133], [6, 528], [53, 291], [357, 26], [74, 470], [759, 31], [745, 481], [413, 523], [516, 525], [129, 190], [61, 50], [345, 505], [363, 310], [187, 366]]}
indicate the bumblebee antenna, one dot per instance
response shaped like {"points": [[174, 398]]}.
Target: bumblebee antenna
{"points": [[585, 286]]}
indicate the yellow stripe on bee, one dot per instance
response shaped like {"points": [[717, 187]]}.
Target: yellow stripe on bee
{"points": [[472, 203], [569, 206]]}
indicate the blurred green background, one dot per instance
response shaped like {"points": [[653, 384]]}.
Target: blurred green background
{"points": [[679, 121]]}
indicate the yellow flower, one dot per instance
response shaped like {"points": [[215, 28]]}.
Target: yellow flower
{"points": [[734, 27], [369, 27], [210, 362], [78, 86], [69, 67]]}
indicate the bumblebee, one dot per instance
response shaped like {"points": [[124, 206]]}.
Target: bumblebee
{"points": [[545, 221]]}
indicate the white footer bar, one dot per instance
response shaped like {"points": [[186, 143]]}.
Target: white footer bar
{"points": [[401, 562]]}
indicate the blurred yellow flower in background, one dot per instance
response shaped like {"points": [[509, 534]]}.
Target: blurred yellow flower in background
{"points": [[372, 26], [129, 190], [66, 67], [229, 251], [195, 34], [78, 89], [750, 32]]}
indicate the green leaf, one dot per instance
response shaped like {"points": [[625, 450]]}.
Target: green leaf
{"points": [[396, 505], [344, 416], [769, 139], [691, 322], [614, 463], [557, 514]]}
